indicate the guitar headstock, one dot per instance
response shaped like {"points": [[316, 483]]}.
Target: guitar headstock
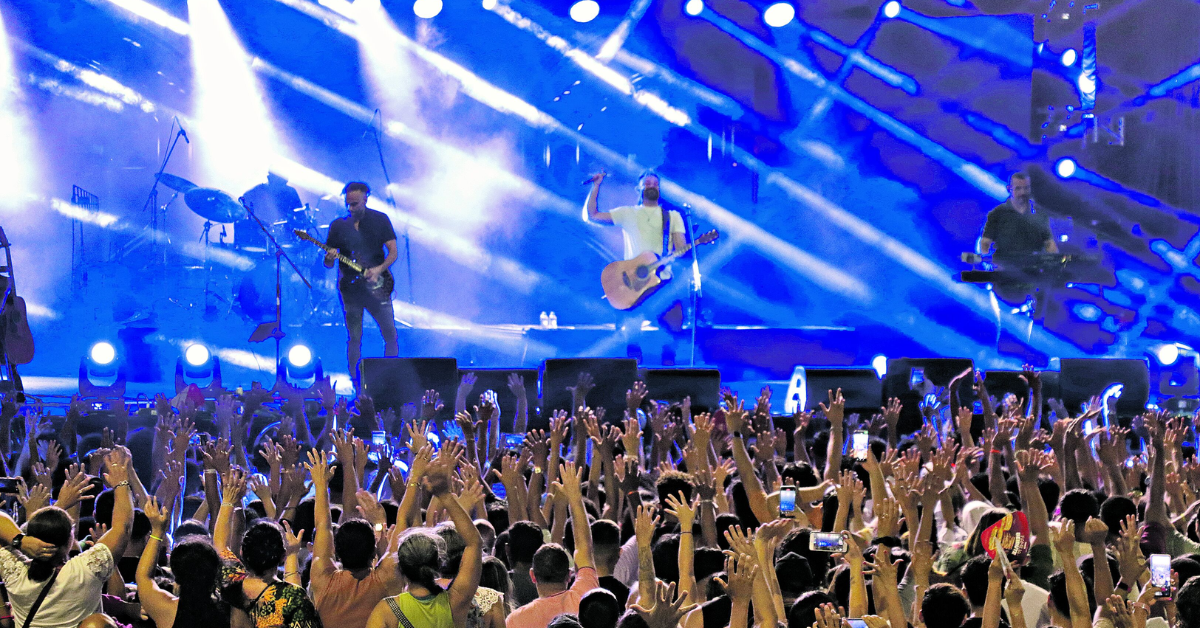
{"points": [[304, 235], [707, 238]]}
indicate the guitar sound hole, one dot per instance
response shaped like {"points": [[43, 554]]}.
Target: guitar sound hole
{"points": [[643, 272]]}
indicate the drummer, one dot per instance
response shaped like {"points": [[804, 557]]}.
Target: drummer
{"points": [[274, 201]]}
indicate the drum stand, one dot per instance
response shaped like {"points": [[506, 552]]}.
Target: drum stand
{"points": [[210, 311], [273, 329]]}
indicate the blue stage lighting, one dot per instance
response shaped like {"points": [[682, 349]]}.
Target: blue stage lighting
{"points": [[1167, 354], [694, 7], [103, 353], [892, 9], [779, 14], [488, 5], [1068, 57], [196, 355], [585, 11], [299, 356], [427, 8], [879, 363], [1065, 167]]}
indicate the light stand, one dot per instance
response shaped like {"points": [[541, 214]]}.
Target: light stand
{"points": [[273, 329]]}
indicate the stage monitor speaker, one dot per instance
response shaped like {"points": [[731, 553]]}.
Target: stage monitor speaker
{"points": [[612, 377], [861, 387], [1001, 383], [497, 380], [903, 374], [393, 382], [1080, 379], [672, 385]]}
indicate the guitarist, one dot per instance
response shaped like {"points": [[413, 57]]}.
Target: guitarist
{"points": [[367, 237], [644, 230]]}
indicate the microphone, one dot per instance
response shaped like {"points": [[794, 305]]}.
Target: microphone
{"points": [[371, 124], [592, 179], [182, 131]]}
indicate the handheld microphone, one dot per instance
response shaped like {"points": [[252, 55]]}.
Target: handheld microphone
{"points": [[591, 179]]}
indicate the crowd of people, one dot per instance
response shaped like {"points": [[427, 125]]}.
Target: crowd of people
{"points": [[243, 513]]}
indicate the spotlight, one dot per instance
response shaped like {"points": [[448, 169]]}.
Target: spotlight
{"points": [[103, 353], [1065, 168], [488, 5], [585, 11], [891, 9], [779, 14], [427, 8], [879, 363], [196, 355], [299, 356], [1068, 57], [1167, 354], [694, 7]]}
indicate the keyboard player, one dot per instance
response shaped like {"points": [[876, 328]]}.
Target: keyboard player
{"points": [[1018, 234]]}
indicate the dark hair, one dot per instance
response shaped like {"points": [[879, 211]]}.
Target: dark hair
{"points": [[1187, 604], [800, 473], [141, 525], [191, 527], [599, 608], [524, 539], [673, 483], [551, 565], [495, 576], [803, 613], [497, 515], [356, 186], [1058, 593], [1186, 566], [708, 561], [607, 533], [975, 578], [944, 606], [455, 546], [665, 554], [354, 544], [420, 558], [52, 525], [795, 576], [102, 509], [262, 547], [1020, 174], [1050, 491], [1114, 510], [632, 620], [1078, 505], [564, 620], [197, 570], [725, 521]]}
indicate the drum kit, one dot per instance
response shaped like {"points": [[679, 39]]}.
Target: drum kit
{"points": [[248, 290]]}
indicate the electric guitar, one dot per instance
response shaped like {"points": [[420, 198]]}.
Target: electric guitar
{"points": [[380, 287], [629, 282], [14, 322]]}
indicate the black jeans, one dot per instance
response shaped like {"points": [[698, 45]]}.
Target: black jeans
{"points": [[354, 301]]}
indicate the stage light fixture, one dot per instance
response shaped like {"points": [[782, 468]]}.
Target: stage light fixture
{"points": [[1167, 354], [488, 5], [197, 355], [891, 9], [694, 7], [879, 363], [1065, 168], [779, 14], [1069, 56], [103, 353], [427, 9], [299, 356], [585, 11]]}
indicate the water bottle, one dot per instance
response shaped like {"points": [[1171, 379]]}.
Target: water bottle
{"points": [[553, 320], [545, 321]]}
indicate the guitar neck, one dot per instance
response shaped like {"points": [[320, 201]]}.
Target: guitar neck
{"points": [[353, 265]]}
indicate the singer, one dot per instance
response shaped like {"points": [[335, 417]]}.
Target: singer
{"points": [[1016, 230]]}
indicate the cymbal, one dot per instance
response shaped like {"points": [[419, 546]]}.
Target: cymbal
{"points": [[214, 205], [179, 184]]}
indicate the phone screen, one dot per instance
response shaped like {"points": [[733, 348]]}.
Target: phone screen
{"points": [[856, 623], [917, 377], [513, 442], [978, 407], [1160, 574], [859, 443], [826, 542], [378, 445], [8, 485], [787, 500]]}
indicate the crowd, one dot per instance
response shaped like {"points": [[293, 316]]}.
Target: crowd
{"points": [[1013, 516]]}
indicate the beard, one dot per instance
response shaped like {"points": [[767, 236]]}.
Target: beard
{"points": [[650, 194]]}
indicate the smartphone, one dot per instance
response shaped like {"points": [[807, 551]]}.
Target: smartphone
{"points": [[8, 485], [826, 542], [512, 442], [378, 445], [498, 491], [787, 501], [1160, 574], [856, 623], [978, 407], [917, 377], [859, 443]]}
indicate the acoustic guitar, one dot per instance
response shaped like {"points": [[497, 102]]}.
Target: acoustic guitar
{"points": [[380, 288], [629, 282], [18, 340]]}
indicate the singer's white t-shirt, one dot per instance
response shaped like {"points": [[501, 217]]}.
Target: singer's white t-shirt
{"points": [[643, 228]]}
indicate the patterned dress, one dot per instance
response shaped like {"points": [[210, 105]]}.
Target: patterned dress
{"points": [[280, 605]]}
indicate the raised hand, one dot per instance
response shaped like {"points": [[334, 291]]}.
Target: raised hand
{"points": [[666, 610], [644, 524], [417, 431], [735, 416], [836, 409], [682, 510], [292, 542], [235, 487], [32, 499], [72, 491], [741, 570], [159, 515], [117, 464], [634, 396], [580, 390], [631, 438], [216, 455], [431, 405], [439, 472]]}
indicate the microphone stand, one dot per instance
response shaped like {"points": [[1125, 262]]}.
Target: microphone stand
{"points": [[392, 203], [273, 329], [690, 232], [152, 199]]}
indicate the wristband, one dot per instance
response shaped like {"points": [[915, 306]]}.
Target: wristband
{"points": [[120, 484], [16, 540], [156, 538]]}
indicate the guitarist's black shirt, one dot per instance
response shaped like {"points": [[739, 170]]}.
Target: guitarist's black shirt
{"points": [[364, 245]]}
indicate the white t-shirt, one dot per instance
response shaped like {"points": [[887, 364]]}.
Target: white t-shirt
{"points": [[643, 228], [74, 596]]}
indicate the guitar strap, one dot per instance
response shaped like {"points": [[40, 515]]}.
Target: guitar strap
{"points": [[666, 220]]}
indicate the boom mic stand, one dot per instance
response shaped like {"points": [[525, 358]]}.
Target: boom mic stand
{"points": [[392, 202], [152, 199], [273, 329], [696, 291]]}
